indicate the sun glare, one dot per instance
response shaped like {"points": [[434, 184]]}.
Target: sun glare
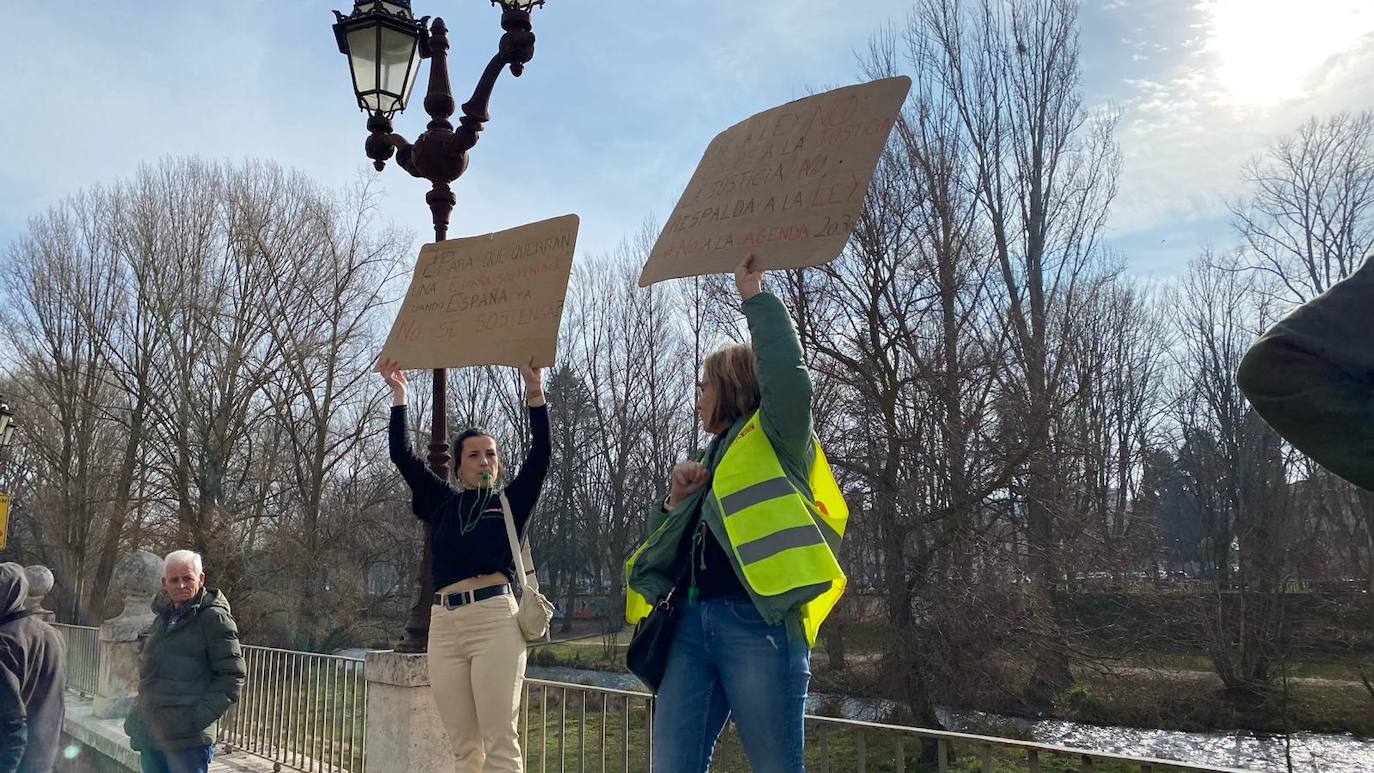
{"points": [[1264, 50]]}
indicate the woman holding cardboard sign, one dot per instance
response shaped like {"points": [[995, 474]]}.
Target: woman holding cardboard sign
{"points": [[476, 644], [739, 569]]}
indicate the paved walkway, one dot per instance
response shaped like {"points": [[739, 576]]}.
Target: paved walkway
{"points": [[106, 736]]}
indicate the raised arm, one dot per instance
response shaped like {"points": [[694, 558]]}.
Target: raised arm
{"points": [[424, 484], [523, 491], [784, 383]]}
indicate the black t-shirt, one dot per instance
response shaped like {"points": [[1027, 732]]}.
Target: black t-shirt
{"points": [[466, 526], [710, 569], [715, 576]]}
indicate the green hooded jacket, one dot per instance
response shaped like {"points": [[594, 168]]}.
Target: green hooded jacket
{"points": [[191, 672], [1311, 377], [785, 414]]}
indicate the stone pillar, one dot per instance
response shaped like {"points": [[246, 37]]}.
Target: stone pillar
{"points": [[40, 583], [139, 577], [403, 728]]}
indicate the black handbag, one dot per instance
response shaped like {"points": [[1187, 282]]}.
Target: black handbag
{"points": [[647, 655]]}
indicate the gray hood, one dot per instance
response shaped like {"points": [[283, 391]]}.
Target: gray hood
{"points": [[14, 588]]}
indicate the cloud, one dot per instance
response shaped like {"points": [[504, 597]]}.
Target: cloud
{"points": [[1186, 132], [611, 117]]}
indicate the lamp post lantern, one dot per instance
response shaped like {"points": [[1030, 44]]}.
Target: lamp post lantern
{"points": [[384, 43], [7, 424]]}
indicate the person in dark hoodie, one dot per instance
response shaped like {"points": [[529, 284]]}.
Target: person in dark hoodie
{"points": [[192, 672], [1311, 377], [32, 677]]}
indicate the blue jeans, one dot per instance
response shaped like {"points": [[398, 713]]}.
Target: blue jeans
{"points": [[727, 661], [193, 760]]}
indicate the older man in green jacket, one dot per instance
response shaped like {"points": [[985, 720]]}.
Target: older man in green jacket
{"points": [[192, 671]]}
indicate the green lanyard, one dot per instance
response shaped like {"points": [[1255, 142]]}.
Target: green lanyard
{"points": [[467, 523], [698, 548]]}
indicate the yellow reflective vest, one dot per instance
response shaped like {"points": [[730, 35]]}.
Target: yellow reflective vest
{"points": [[781, 539]]}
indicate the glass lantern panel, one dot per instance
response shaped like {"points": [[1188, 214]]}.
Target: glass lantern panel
{"points": [[414, 74], [362, 55], [399, 54]]}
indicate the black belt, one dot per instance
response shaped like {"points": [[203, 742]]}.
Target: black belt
{"points": [[454, 600]]}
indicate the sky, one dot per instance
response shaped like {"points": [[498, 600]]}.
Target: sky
{"points": [[621, 99]]}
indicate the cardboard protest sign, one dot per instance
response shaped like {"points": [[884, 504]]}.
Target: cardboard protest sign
{"points": [[486, 300], [787, 185]]}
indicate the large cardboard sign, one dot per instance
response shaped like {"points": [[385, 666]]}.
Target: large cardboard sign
{"points": [[787, 185], [486, 300]]}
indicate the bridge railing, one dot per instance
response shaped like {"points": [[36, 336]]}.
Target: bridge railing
{"points": [[303, 710], [569, 727], [83, 657], [308, 711]]}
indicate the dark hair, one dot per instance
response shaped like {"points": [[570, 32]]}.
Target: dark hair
{"points": [[470, 432]]}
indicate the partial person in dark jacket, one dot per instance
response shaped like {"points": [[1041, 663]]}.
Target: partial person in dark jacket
{"points": [[32, 677], [1311, 377], [192, 671]]}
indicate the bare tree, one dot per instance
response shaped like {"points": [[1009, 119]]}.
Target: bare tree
{"points": [[563, 529], [1115, 345], [1044, 173], [60, 280], [1237, 473], [193, 346], [1309, 221], [629, 350], [1308, 224], [323, 301]]}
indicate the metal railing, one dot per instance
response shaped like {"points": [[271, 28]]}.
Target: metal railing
{"points": [[612, 730], [82, 643], [303, 710], [308, 712]]}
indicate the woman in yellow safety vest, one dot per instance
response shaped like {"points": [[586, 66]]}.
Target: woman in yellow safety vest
{"points": [[746, 540]]}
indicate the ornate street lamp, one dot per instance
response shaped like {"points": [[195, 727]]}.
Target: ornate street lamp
{"points": [[384, 43]]}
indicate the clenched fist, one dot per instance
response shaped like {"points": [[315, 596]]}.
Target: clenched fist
{"points": [[685, 478]]}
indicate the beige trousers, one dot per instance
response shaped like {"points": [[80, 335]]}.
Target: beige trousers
{"points": [[476, 673]]}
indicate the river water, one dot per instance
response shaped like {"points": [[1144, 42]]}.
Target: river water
{"points": [[1310, 752]]}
